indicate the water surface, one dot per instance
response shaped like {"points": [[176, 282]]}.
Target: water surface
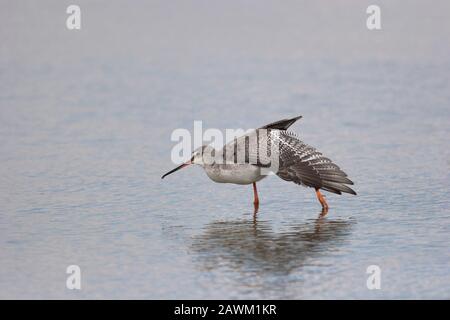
{"points": [[85, 125]]}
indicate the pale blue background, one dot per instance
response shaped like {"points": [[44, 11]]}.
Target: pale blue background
{"points": [[85, 124]]}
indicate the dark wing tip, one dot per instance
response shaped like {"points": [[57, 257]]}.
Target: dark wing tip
{"points": [[281, 124], [334, 186]]}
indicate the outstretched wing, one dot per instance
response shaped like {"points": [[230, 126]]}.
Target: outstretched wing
{"points": [[250, 147], [303, 164], [297, 161]]}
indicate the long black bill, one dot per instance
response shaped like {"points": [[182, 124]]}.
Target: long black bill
{"points": [[177, 168]]}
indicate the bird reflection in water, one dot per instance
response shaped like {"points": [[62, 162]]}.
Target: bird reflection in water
{"points": [[247, 245]]}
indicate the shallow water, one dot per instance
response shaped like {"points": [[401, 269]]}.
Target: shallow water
{"points": [[85, 140]]}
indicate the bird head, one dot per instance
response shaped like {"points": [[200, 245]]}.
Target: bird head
{"points": [[197, 155], [196, 158]]}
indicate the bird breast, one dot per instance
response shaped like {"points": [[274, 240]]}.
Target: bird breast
{"points": [[234, 173]]}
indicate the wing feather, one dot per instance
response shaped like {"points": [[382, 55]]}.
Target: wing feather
{"points": [[298, 162], [304, 165]]}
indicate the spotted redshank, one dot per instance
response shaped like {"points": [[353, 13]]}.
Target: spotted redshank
{"points": [[295, 161]]}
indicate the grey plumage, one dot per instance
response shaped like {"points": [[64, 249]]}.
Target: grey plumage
{"points": [[297, 161], [251, 156]]}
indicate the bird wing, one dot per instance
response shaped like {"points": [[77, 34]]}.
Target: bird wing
{"points": [[304, 165], [254, 146], [281, 124], [297, 161]]}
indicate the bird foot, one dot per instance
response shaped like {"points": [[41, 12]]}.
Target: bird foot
{"points": [[324, 212], [322, 200]]}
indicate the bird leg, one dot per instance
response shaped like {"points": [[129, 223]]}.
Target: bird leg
{"points": [[256, 198], [322, 201], [323, 213]]}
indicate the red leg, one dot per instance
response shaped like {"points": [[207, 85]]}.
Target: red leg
{"points": [[322, 200], [255, 195], [256, 201]]}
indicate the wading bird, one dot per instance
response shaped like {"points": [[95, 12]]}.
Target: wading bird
{"points": [[295, 161]]}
